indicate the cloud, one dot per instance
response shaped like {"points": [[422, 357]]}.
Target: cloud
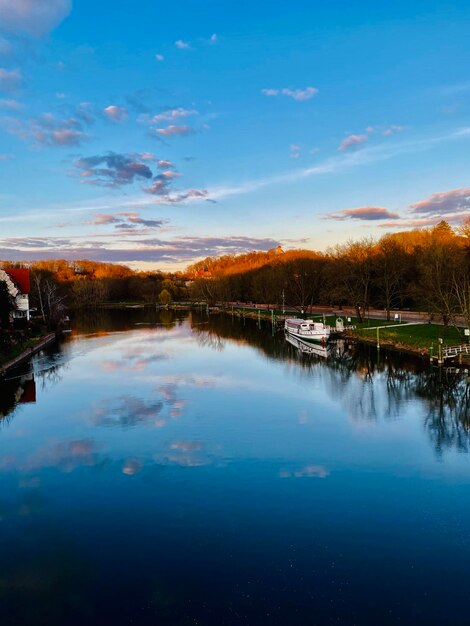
{"points": [[159, 57], [10, 80], [6, 47], [309, 471], [178, 250], [47, 130], [391, 130], [352, 141], [112, 169], [455, 200], [174, 131], [115, 113], [159, 187], [126, 412], [32, 17], [11, 105], [127, 220], [5, 156], [84, 112], [296, 94], [294, 151], [452, 218], [182, 45], [366, 213], [148, 156], [172, 115], [213, 39]]}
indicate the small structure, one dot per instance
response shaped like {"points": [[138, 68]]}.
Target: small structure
{"points": [[19, 287]]}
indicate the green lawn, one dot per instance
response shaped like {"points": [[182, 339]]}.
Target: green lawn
{"points": [[417, 335]]}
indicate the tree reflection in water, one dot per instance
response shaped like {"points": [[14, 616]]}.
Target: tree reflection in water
{"points": [[352, 371], [355, 374], [19, 386]]}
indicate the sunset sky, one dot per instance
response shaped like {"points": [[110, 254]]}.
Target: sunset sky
{"points": [[155, 134]]}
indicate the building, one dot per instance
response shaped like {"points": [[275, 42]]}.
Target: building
{"points": [[19, 287]]}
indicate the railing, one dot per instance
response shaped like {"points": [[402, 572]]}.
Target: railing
{"points": [[452, 351]]}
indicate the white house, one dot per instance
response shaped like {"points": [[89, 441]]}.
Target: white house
{"points": [[19, 288]]}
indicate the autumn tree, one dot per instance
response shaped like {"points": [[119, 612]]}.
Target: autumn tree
{"points": [[351, 278]]}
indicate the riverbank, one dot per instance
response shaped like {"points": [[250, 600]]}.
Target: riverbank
{"points": [[416, 338], [25, 351]]}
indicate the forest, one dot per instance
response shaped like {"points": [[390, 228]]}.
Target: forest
{"points": [[425, 270]]}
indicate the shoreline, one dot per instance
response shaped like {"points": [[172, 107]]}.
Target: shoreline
{"points": [[27, 354]]}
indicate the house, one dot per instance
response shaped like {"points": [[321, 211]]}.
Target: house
{"points": [[19, 287]]}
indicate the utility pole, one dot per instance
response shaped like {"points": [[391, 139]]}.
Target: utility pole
{"points": [[283, 302]]}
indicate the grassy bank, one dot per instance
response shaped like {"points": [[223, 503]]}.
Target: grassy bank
{"points": [[15, 343], [412, 337]]}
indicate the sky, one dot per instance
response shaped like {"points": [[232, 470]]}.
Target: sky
{"points": [[156, 134]]}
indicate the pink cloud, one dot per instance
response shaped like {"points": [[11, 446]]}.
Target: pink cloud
{"points": [[444, 202], [366, 213], [115, 113], [352, 141], [170, 174], [66, 137], [173, 131], [33, 17], [392, 130]]}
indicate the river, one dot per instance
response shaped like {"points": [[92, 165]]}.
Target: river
{"points": [[174, 469]]}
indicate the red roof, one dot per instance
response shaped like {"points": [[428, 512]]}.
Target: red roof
{"points": [[21, 279]]}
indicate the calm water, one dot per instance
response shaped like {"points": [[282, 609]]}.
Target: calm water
{"points": [[165, 470]]}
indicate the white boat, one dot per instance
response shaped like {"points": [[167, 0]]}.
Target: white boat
{"points": [[307, 347], [308, 330]]}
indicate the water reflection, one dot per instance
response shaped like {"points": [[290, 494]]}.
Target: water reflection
{"points": [[353, 372], [155, 447], [357, 376], [16, 391]]}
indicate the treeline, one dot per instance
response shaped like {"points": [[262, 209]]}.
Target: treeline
{"points": [[427, 270], [57, 284]]}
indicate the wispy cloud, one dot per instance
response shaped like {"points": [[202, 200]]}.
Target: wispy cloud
{"points": [[32, 17], [159, 57], [127, 220], [352, 141], [172, 115], [296, 94], [365, 213], [47, 130], [346, 160], [423, 222], [294, 151], [174, 131], [11, 105], [178, 250], [10, 80]]}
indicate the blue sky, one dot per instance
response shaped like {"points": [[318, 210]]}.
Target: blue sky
{"points": [[159, 134]]}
